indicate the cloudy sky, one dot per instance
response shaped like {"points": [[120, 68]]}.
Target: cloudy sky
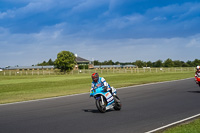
{"points": [[33, 31]]}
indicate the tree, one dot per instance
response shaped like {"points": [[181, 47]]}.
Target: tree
{"points": [[117, 63], [168, 63], [50, 62], [158, 63], [189, 63], [96, 62], [44, 63], [196, 62], [65, 61], [105, 63], [178, 63], [110, 62], [149, 64], [139, 63], [185, 65]]}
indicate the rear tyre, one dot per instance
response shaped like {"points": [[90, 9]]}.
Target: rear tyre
{"points": [[100, 107], [118, 104]]}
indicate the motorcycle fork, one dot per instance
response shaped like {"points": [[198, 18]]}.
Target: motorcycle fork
{"points": [[102, 102]]}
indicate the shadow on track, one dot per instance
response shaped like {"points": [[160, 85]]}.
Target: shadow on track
{"points": [[194, 91], [91, 110], [94, 111]]}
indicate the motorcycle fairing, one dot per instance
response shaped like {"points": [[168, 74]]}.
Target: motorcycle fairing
{"points": [[108, 96]]}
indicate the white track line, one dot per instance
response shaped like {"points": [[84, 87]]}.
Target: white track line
{"points": [[87, 93], [172, 124]]}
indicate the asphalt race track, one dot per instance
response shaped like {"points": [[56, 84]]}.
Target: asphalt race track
{"points": [[144, 108]]}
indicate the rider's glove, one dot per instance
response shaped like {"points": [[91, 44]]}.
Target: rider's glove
{"points": [[105, 88]]}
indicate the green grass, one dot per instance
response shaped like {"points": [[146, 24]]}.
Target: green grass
{"points": [[23, 88], [192, 127]]}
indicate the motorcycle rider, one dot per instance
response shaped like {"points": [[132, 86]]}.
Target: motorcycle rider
{"points": [[197, 73], [101, 82]]}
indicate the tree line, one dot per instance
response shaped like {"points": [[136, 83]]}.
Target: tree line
{"points": [[159, 63], [47, 63]]}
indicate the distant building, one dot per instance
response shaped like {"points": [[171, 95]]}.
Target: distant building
{"points": [[82, 61], [113, 66], [28, 67]]}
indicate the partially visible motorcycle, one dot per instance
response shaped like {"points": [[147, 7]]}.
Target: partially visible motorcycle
{"points": [[105, 100], [197, 79]]}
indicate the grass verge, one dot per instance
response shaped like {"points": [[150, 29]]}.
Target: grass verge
{"points": [[192, 127], [23, 88]]}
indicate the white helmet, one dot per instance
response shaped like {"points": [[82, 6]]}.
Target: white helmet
{"points": [[198, 67]]}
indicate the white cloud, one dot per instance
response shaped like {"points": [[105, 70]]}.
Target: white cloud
{"points": [[175, 10], [159, 18], [85, 5], [34, 7], [124, 21], [2, 14], [28, 49], [191, 9]]}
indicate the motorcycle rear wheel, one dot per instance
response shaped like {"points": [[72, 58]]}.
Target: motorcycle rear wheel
{"points": [[118, 104]]}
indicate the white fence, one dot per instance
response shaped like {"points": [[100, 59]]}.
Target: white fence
{"points": [[26, 72], [89, 71], [137, 70]]}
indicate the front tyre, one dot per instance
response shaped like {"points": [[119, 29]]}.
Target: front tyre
{"points": [[118, 104], [100, 107]]}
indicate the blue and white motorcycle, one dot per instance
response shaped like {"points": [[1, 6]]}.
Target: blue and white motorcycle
{"points": [[105, 100]]}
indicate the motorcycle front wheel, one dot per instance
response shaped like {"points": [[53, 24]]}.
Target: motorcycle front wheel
{"points": [[100, 107]]}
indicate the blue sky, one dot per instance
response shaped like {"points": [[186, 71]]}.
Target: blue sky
{"points": [[33, 31]]}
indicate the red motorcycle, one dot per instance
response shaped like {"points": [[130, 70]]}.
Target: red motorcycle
{"points": [[197, 78]]}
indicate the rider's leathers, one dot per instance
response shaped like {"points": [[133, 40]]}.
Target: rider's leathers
{"points": [[102, 82]]}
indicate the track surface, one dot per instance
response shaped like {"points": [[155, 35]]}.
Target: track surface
{"points": [[144, 108]]}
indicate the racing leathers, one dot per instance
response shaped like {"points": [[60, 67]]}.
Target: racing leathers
{"points": [[102, 83]]}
